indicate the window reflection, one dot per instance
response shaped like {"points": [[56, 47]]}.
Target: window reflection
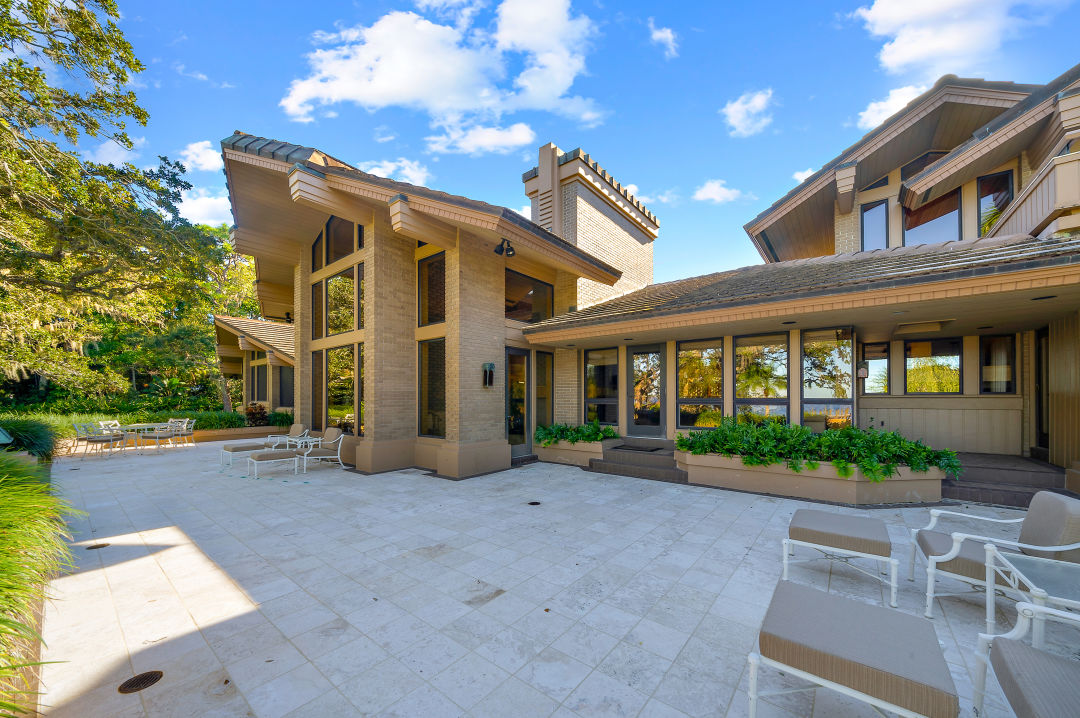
{"points": [[700, 383], [339, 302], [932, 366], [341, 388], [602, 385]]}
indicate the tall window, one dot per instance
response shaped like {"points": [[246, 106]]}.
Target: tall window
{"points": [[317, 252], [360, 296], [761, 377], [545, 388], [316, 391], [995, 194], [433, 388], [932, 366], [286, 375], [875, 225], [602, 385], [700, 382], [527, 299], [876, 362], [997, 365], [828, 378], [934, 223], [341, 388], [340, 239], [431, 278], [360, 389], [260, 382], [339, 302], [316, 311]]}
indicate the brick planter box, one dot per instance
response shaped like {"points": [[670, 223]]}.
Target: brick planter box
{"points": [[563, 452], [823, 483], [244, 432]]}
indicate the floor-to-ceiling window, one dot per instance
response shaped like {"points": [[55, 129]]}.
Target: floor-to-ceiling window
{"points": [[828, 378], [432, 388], [602, 385], [431, 281], [700, 381], [761, 378], [286, 376], [341, 388], [545, 388], [317, 390]]}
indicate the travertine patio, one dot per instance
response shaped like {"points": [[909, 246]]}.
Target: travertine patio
{"points": [[337, 594]]}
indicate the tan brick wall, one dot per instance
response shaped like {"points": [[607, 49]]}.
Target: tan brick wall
{"points": [[1025, 171], [846, 227], [568, 406]]}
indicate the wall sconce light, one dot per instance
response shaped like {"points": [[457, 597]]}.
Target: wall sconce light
{"points": [[489, 374], [504, 248]]}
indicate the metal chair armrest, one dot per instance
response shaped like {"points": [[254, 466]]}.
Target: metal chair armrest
{"points": [[959, 538]]}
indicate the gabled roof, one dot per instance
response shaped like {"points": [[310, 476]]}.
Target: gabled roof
{"points": [[825, 276], [314, 159], [277, 337]]}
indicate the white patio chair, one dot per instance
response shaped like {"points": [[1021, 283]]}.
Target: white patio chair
{"points": [[1051, 529], [97, 438], [162, 434], [296, 431], [327, 449], [183, 430], [1035, 682]]}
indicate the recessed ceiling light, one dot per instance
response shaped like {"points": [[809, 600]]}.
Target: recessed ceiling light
{"points": [[1048, 296], [571, 345], [628, 339], [788, 322], [985, 326], [902, 311]]}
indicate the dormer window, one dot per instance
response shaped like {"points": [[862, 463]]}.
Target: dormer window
{"points": [[875, 225], [920, 163], [995, 194], [934, 223]]}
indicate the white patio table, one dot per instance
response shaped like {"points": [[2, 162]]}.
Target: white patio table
{"points": [[139, 429], [1047, 581]]}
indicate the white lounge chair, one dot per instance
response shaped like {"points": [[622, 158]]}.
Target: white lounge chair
{"points": [[1051, 528], [328, 448], [296, 431]]}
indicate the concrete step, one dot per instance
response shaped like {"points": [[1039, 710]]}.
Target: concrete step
{"points": [[1001, 494], [1011, 470], [654, 473], [658, 457], [522, 460], [647, 443]]}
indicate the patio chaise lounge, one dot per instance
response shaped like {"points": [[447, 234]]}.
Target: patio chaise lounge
{"points": [[271, 442], [1051, 529], [841, 537], [1037, 684], [888, 659], [272, 456]]}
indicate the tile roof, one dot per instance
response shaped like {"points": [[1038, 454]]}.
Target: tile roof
{"points": [[824, 276], [277, 336], [299, 154]]}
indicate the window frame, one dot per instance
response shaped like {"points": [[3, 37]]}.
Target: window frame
{"points": [[736, 401], [280, 390], [318, 389], [326, 387], [358, 300], [326, 240], [803, 400], [959, 218], [326, 303], [960, 392], [978, 198], [419, 263], [318, 307], [551, 296], [420, 386], [863, 209], [1012, 365], [719, 403], [551, 385], [586, 401], [888, 368]]}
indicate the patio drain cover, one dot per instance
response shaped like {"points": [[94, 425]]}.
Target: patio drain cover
{"points": [[534, 503], [140, 682], [96, 546]]}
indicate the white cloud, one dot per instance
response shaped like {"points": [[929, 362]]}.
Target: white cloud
{"points": [[110, 153], [384, 134], [193, 74], [201, 206], [803, 175], [201, 156], [479, 139], [749, 114], [717, 192], [933, 37], [465, 77], [665, 37], [525, 211], [668, 196], [402, 169], [880, 110]]}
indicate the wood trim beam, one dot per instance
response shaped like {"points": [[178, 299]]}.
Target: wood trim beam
{"points": [[845, 186], [404, 220]]}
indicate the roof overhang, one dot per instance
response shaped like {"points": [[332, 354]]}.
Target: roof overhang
{"points": [[233, 341]]}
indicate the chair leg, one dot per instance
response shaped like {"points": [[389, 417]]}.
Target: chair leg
{"points": [[752, 690], [930, 575], [981, 667], [785, 545], [894, 569], [911, 566]]}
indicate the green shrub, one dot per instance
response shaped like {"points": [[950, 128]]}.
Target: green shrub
{"points": [[280, 418], [877, 454], [32, 435], [32, 550], [203, 419], [548, 435]]}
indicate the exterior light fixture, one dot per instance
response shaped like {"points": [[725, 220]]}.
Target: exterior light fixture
{"points": [[504, 248]]}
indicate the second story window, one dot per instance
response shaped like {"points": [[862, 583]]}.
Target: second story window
{"points": [[527, 299], [340, 239], [431, 283], [875, 225], [339, 302], [995, 194], [934, 223]]}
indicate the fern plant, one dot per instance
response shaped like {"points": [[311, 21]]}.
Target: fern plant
{"points": [[591, 432]]}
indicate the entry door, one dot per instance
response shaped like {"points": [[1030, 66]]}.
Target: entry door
{"points": [[517, 402], [1042, 388], [645, 404]]}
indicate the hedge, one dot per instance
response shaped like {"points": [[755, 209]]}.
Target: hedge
{"points": [[548, 435]]}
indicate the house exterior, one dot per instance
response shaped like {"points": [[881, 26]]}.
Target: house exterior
{"points": [[925, 280]]}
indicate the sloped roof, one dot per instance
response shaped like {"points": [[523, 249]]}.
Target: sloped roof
{"points": [[321, 162], [278, 337], [824, 276]]}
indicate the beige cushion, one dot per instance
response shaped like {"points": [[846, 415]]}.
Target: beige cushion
{"points": [[828, 528], [1052, 520], [881, 652], [235, 448], [1037, 684], [321, 454], [273, 455], [331, 435], [970, 562], [296, 430]]}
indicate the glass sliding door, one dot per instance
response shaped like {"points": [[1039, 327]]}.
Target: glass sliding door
{"points": [[646, 384], [517, 402]]}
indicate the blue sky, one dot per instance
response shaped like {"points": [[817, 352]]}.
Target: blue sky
{"points": [[708, 108]]}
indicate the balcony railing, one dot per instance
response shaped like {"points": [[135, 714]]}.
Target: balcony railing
{"points": [[1054, 191]]}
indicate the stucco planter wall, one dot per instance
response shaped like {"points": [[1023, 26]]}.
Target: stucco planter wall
{"points": [[823, 483], [243, 432], [563, 452]]}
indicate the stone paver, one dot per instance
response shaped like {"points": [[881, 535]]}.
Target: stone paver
{"points": [[335, 594]]}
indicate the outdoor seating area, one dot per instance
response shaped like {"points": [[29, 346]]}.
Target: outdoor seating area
{"points": [[298, 445], [110, 436], [542, 590]]}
